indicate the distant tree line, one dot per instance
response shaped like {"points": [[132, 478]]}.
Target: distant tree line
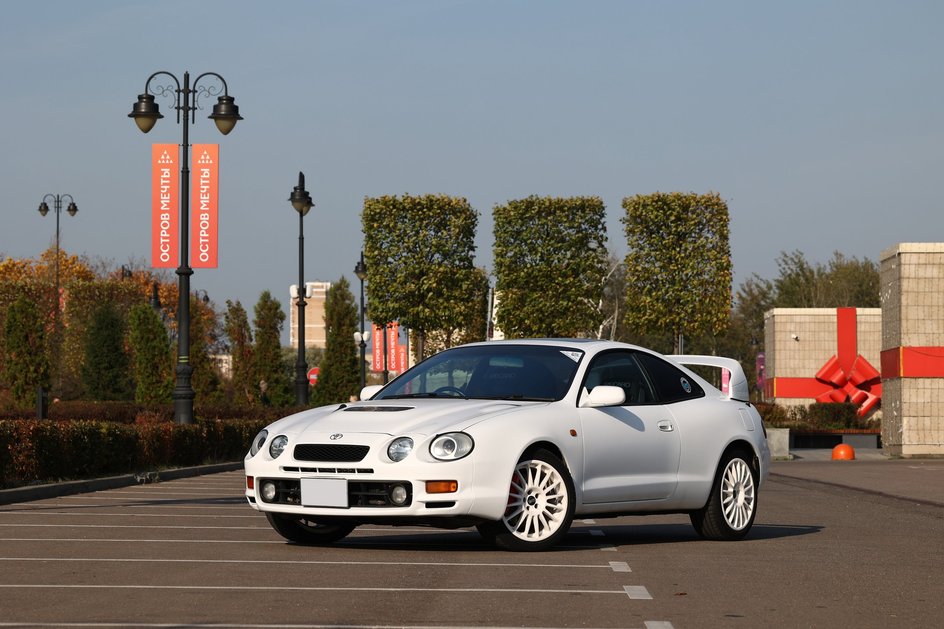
{"points": [[553, 276]]}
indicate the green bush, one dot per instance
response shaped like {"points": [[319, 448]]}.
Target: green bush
{"points": [[34, 451]]}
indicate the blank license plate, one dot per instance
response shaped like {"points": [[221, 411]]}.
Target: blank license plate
{"points": [[324, 492]]}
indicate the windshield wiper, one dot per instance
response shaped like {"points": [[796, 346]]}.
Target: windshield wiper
{"points": [[404, 396], [514, 398]]}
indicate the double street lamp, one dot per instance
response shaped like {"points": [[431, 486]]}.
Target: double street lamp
{"points": [[145, 114], [72, 209], [302, 203]]}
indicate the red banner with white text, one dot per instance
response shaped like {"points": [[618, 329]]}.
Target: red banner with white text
{"points": [[165, 198], [204, 206]]}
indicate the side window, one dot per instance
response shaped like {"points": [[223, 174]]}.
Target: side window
{"points": [[620, 369], [671, 383]]}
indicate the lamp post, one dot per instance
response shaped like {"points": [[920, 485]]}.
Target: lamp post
{"points": [[302, 202], [360, 270], [146, 113], [72, 209]]}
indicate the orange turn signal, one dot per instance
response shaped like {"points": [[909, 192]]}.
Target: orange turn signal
{"points": [[442, 486]]}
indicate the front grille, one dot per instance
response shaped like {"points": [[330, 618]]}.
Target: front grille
{"points": [[330, 452]]}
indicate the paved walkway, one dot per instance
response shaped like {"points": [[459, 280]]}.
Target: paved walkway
{"points": [[918, 480]]}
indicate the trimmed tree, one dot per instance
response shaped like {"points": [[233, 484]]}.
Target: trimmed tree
{"points": [[106, 369], [272, 379], [151, 356], [339, 377], [419, 252], [25, 359], [550, 266], [678, 267], [237, 330]]}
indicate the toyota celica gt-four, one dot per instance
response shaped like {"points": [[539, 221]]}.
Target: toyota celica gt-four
{"points": [[517, 438]]}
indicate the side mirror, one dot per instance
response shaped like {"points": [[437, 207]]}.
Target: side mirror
{"points": [[370, 391], [603, 395]]}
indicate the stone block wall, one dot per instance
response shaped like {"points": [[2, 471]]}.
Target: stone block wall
{"points": [[912, 359]]}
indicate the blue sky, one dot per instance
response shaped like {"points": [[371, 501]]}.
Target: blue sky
{"points": [[821, 123]]}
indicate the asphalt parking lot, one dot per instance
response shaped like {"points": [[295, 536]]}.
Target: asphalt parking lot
{"points": [[190, 553]]}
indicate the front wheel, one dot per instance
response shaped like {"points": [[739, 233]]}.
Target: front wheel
{"points": [[540, 505], [732, 505], [302, 530]]}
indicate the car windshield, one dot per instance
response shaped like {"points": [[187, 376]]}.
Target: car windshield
{"points": [[494, 372]]}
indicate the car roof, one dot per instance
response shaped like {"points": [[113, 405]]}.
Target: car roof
{"points": [[594, 344]]}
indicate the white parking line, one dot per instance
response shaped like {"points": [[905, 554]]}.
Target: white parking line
{"points": [[649, 624], [37, 511], [137, 526], [637, 592], [620, 566], [306, 588], [310, 563]]}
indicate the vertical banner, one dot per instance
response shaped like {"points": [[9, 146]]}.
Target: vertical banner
{"points": [[377, 338], [393, 335], [403, 349], [204, 206], [165, 213], [396, 350]]}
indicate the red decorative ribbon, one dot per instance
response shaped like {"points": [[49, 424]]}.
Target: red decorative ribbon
{"points": [[847, 376]]}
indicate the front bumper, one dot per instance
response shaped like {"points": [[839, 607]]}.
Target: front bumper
{"points": [[373, 489]]}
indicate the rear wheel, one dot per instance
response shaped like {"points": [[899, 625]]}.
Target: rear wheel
{"points": [[732, 505], [302, 530], [540, 505]]}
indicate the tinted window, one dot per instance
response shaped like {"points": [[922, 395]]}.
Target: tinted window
{"points": [[620, 369], [671, 383], [493, 371]]}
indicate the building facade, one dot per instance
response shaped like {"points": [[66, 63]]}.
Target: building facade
{"points": [[315, 335]]}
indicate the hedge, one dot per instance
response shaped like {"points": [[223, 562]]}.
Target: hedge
{"points": [[34, 451]]}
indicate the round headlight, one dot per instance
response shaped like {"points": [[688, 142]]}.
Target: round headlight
{"points": [[400, 449], [258, 442], [277, 446], [451, 446]]}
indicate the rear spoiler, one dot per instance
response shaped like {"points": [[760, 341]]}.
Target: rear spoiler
{"points": [[733, 384]]}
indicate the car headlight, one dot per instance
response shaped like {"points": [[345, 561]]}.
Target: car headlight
{"points": [[400, 449], [451, 446], [258, 442], [277, 446]]}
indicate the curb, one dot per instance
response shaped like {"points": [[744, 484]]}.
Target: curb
{"points": [[55, 490]]}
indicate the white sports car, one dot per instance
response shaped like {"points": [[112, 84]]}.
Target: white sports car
{"points": [[518, 438]]}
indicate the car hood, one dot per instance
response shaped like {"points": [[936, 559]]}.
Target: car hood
{"points": [[395, 417]]}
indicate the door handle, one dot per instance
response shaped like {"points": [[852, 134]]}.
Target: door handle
{"points": [[665, 426]]}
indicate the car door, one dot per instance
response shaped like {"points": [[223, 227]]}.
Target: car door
{"points": [[631, 452]]}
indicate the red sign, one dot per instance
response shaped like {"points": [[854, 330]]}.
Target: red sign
{"points": [[204, 206], [313, 375], [165, 194]]}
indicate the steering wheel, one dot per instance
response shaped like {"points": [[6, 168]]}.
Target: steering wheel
{"points": [[448, 389]]}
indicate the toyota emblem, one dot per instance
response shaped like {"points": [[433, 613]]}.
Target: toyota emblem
{"points": [[335, 436]]}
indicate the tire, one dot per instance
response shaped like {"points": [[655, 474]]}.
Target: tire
{"points": [[301, 530], [540, 505], [732, 505]]}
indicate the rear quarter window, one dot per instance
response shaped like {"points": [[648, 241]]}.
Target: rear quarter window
{"points": [[671, 383]]}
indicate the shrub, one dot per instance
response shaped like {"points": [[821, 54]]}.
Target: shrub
{"points": [[34, 451]]}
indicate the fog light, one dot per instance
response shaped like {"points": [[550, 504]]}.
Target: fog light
{"points": [[398, 495], [268, 491]]}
